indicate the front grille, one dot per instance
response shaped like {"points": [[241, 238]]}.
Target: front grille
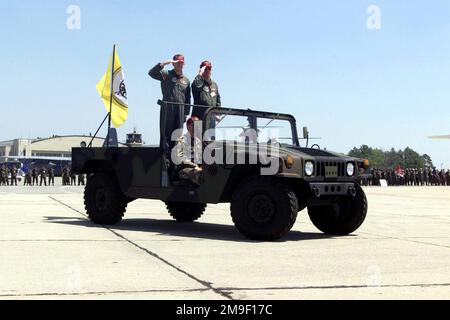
{"points": [[321, 165]]}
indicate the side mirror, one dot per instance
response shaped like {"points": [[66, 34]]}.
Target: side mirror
{"points": [[305, 133]]}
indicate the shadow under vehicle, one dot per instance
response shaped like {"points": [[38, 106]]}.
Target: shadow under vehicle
{"points": [[263, 207]]}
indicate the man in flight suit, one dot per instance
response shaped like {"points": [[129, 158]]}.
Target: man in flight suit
{"points": [[176, 88], [205, 91]]}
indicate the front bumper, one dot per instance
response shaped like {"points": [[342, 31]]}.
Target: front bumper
{"points": [[332, 189]]}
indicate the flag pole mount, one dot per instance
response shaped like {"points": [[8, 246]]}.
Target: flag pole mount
{"points": [[98, 130], [111, 96]]}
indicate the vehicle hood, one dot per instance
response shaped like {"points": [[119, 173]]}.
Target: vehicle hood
{"points": [[314, 153]]}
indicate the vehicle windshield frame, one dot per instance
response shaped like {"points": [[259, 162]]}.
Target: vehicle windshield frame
{"points": [[252, 118]]}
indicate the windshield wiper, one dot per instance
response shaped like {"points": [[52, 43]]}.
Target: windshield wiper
{"points": [[221, 119], [268, 124]]}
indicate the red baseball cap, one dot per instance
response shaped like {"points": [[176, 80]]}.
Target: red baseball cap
{"points": [[192, 120], [206, 64], [178, 57]]}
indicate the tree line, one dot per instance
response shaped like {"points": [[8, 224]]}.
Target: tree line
{"points": [[381, 159]]}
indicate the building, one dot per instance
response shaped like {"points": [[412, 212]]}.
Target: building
{"points": [[134, 139], [56, 146]]}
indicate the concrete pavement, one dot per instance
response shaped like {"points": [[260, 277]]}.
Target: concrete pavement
{"points": [[49, 250]]}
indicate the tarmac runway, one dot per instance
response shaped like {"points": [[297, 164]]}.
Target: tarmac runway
{"points": [[49, 250]]}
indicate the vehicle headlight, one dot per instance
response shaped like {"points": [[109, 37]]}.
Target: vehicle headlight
{"points": [[309, 168], [350, 169]]}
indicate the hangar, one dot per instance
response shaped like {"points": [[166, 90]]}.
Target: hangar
{"points": [[55, 146]]}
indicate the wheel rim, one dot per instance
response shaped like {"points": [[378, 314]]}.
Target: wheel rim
{"points": [[100, 199], [261, 208]]}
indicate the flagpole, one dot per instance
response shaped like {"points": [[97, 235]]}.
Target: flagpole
{"points": [[95, 135], [111, 96]]}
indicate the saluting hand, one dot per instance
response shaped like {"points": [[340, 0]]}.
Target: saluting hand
{"points": [[202, 71], [171, 62]]}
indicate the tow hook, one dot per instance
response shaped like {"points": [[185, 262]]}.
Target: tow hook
{"points": [[352, 191], [316, 192]]}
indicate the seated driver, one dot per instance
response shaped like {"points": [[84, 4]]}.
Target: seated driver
{"points": [[188, 153]]}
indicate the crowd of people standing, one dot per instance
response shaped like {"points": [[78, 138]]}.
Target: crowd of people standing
{"points": [[407, 177], [44, 176]]}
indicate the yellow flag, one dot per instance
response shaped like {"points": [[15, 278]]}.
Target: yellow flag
{"points": [[119, 108]]}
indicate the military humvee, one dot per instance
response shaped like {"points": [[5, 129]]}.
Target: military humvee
{"points": [[263, 207]]}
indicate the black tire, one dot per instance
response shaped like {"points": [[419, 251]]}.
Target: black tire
{"points": [[105, 204], [344, 218], [186, 212], [263, 208]]}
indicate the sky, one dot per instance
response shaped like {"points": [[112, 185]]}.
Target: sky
{"points": [[318, 60]]}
